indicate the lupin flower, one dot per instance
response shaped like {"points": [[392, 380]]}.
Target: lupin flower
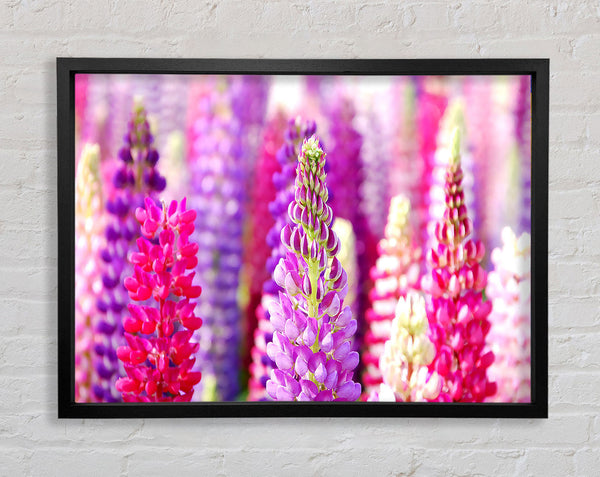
{"points": [[218, 158], [431, 105], [94, 115], [458, 316], [257, 250], [407, 354], [453, 118], [283, 180], [135, 178], [89, 223], [406, 170], [483, 124], [346, 178], [523, 135], [395, 273], [311, 344], [375, 154], [509, 288], [158, 357]]}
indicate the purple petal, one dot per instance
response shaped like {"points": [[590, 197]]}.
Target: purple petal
{"points": [[320, 373], [349, 391], [351, 361]]}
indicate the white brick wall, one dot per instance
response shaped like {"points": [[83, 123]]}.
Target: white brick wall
{"points": [[33, 33]]}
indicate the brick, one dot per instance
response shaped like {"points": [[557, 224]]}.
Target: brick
{"points": [[575, 389], [587, 461], [189, 462], [521, 434], [33, 355], [466, 462], [575, 351], [576, 279], [91, 462], [547, 462], [573, 313], [15, 461], [379, 17]]}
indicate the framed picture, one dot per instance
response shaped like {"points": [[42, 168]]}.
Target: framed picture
{"points": [[340, 238]]}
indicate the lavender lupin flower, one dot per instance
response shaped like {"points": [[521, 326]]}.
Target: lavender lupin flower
{"points": [[135, 179], [313, 330]]}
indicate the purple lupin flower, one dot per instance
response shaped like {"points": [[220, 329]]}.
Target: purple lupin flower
{"points": [[134, 179], [346, 178], [218, 177], [311, 343], [287, 156]]}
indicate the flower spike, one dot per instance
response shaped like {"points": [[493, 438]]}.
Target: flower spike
{"points": [[159, 355], [313, 329]]}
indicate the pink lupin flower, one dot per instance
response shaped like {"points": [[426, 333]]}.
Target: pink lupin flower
{"points": [[458, 316], [89, 224], [509, 288], [395, 272], [431, 102], [407, 354], [158, 357]]}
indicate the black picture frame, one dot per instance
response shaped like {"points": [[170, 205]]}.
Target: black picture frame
{"points": [[538, 69]]}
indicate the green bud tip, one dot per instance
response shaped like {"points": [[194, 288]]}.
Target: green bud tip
{"points": [[455, 147], [311, 150]]}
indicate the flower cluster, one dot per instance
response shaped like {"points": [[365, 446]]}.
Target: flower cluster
{"points": [[458, 316], [89, 224], [217, 185], [311, 344], [431, 105], [261, 222], [407, 354], [523, 136], [509, 288], [283, 181], [134, 178], [346, 180], [395, 272], [159, 354]]}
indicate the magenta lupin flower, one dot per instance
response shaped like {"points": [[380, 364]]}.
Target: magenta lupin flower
{"points": [[509, 288], [159, 354], [457, 314], [395, 273], [311, 344], [261, 221], [283, 181]]}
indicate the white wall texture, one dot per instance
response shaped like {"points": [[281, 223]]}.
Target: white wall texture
{"points": [[34, 442]]}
